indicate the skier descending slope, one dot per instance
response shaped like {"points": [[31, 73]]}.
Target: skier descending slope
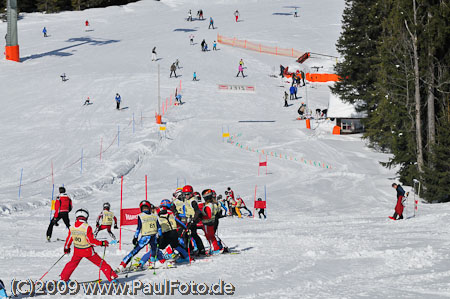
{"points": [[83, 241], [148, 227], [105, 221], [63, 206]]}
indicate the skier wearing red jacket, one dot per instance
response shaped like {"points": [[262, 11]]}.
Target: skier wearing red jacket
{"points": [[83, 240], [63, 206], [210, 211], [105, 221]]}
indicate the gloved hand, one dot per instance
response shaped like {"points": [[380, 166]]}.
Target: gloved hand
{"points": [[135, 241], [66, 250], [105, 243], [116, 227]]}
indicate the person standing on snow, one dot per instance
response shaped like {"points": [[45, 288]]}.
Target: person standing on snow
{"points": [[105, 221], [118, 100], [44, 31], [189, 16], [215, 46], [236, 14], [63, 206], [286, 99], [148, 227], [80, 234], [154, 54], [209, 212], [261, 211], [295, 13], [193, 216], [191, 39], [211, 23], [240, 71], [400, 202], [173, 68], [86, 23], [201, 14], [291, 92], [195, 77]]}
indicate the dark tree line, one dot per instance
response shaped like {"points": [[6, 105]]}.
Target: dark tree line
{"points": [[52, 6], [397, 66]]}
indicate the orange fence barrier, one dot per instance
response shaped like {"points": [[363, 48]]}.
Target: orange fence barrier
{"points": [[232, 41], [321, 77]]}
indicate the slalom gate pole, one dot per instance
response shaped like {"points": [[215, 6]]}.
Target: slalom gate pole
{"points": [[100, 267], [265, 199], [120, 231], [145, 187], [53, 192], [52, 266], [154, 263]]}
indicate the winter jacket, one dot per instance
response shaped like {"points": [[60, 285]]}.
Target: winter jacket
{"points": [[63, 204]]}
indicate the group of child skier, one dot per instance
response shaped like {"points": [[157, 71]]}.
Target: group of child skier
{"points": [[171, 227]]}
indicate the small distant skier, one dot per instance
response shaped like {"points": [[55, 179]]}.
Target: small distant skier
{"points": [[87, 102], [261, 211], [302, 73], [44, 31], [324, 113], [80, 234], [64, 77], [173, 68], [105, 221], [295, 13], [400, 202], [281, 71], [215, 46], [195, 77], [295, 92], [241, 71], [203, 43], [118, 100], [201, 14], [301, 110], [189, 16], [211, 23], [191, 39], [87, 23], [154, 54], [291, 92], [63, 206], [236, 14], [286, 99]]}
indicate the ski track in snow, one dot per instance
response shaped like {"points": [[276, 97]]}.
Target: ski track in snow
{"points": [[327, 234]]}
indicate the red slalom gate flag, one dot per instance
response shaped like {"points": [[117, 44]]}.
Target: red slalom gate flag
{"points": [[263, 164], [129, 216]]}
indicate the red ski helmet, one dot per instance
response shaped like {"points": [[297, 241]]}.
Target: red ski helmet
{"points": [[145, 203]]}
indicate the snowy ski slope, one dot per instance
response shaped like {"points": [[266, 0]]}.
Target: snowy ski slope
{"points": [[327, 234]]}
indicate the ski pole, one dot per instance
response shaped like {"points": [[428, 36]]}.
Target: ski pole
{"points": [[100, 267], [52, 266]]}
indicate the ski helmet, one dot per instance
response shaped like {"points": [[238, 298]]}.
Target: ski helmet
{"points": [[229, 189], [82, 213], [219, 197], [188, 189], [106, 206], [146, 204], [62, 190], [166, 203], [214, 193], [207, 194], [226, 192]]}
